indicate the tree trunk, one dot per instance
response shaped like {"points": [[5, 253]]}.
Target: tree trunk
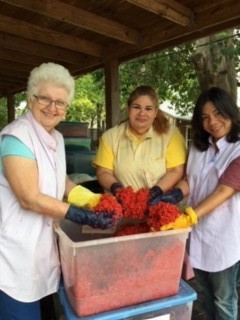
{"points": [[215, 65]]}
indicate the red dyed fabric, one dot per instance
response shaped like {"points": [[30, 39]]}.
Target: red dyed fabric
{"points": [[134, 204], [161, 214], [109, 204]]}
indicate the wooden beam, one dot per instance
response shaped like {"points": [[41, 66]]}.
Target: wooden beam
{"points": [[80, 18], [170, 10], [12, 90], [18, 67], [10, 78], [14, 56], [31, 60], [210, 20], [47, 52], [62, 40], [4, 81], [11, 70], [164, 35]]}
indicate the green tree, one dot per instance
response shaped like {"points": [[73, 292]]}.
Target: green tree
{"points": [[216, 59], [174, 73], [170, 72], [19, 98], [3, 112], [89, 102]]}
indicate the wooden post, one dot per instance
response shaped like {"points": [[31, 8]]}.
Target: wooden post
{"points": [[10, 108], [112, 93]]}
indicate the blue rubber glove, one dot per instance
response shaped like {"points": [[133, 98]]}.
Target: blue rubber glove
{"points": [[101, 220], [116, 186], [174, 196], [155, 195]]}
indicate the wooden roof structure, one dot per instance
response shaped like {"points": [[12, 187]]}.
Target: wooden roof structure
{"points": [[85, 35]]}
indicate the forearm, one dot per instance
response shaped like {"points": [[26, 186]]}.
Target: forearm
{"points": [[106, 178], [215, 199], [183, 185], [171, 178], [69, 185], [49, 206]]}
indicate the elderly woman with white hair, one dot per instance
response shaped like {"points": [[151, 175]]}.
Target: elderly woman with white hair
{"points": [[33, 182]]}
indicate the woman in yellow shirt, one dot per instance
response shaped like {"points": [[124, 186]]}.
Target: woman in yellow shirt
{"points": [[145, 151]]}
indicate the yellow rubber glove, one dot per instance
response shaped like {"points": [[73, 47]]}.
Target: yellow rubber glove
{"points": [[83, 197], [187, 219]]}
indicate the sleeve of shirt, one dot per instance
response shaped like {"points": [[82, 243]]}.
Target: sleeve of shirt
{"points": [[176, 151], [12, 146], [104, 157], [231, 176]]}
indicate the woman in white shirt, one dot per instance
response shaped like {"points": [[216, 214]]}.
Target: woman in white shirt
{"points": [[33, 182], [213, 180]]}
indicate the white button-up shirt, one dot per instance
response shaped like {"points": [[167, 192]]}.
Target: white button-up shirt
{"points": [[215, 240]]}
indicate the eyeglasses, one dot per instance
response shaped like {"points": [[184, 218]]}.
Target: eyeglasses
{"points": [[45, 101]]}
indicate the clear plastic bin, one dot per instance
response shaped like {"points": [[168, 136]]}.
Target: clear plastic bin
{"points": [[103, 273]]}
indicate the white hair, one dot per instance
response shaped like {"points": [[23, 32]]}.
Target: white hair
{"points": [[50, 72]]}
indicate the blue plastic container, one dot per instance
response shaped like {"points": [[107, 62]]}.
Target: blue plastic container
{"points": [[179, 307]]}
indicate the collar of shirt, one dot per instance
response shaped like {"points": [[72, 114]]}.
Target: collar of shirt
{"points": [[131, 136], [220, 144]]}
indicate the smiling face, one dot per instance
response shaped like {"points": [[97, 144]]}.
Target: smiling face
{"points": [[214, 123], [141, 114], [48, 116]]}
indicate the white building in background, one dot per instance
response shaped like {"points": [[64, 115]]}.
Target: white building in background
{"points": [[182, 122]]}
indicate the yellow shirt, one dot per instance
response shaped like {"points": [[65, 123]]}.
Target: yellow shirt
{"points": [[140, 162]]}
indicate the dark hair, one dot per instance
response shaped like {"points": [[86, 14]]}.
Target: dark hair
{"points": [[225, 104], [161, 122]]}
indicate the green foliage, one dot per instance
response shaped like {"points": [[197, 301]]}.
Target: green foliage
{"points": [[19, 98], [89, 102], [171, 73], [3, 112]]}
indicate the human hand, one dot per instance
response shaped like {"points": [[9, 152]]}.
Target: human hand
{"points": [[81, 196], [117, 189], [116, 186], [101, 219], [186, 219], [155, 195], [174, 196]]}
